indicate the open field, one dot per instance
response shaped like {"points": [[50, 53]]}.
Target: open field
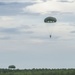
{"points": [[37, 72]]}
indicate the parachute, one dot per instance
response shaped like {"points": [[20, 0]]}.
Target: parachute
{"points": [[49, 20]]}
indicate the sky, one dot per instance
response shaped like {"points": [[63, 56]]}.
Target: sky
{"points": [[24, 37]]}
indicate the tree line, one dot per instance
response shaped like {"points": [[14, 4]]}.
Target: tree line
{"points": [[12, 71]]}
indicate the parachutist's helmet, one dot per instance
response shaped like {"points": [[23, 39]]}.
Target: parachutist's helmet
{"points": [[50, 20]]}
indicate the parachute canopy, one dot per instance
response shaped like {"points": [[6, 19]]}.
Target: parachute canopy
{"points": [[50, 20]]}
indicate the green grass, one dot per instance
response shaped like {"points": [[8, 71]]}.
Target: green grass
{"points": [[37, 72]]}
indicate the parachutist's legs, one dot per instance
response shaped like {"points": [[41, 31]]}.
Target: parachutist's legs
{"points": [[50, 36]]}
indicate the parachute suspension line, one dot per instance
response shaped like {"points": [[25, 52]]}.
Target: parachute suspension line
{"points": [[47, 30], [50, 28], [53, 27]]}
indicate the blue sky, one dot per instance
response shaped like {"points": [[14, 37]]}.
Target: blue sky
{"points": [[24, 37]]}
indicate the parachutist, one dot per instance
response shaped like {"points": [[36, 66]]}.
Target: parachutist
{"points": [[50, 36], [51, 20]]}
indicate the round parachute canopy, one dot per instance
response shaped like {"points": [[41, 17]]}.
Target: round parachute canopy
{"points": [[50, 20]]}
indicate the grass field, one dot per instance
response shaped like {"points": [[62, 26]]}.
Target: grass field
{"points": [[37, 72]]}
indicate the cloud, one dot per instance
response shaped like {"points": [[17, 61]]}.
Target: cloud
{"points": [[65, 0], [15, 33], [49, 6], [14, 8], [13, 0], [4, 38], [72, 32], [13, 21], [8, 1], [16, 30], [9, 30]]}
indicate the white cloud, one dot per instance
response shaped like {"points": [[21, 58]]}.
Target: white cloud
{"points": [[10, 21], [5, 21], [45, 7]]}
